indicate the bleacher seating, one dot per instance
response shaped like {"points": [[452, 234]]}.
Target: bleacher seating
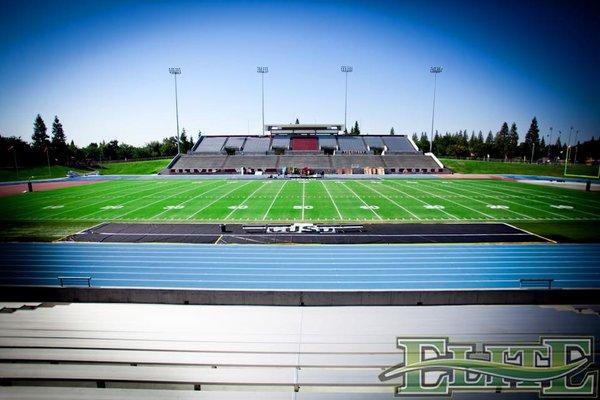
{"points": [[399, 144], [257, 145], [235, 143], [351, 144], [328, 142], [211, 144], [316, 162], [305, 144], [280, 142], [369, 154], [374, 142], [262, 162]]}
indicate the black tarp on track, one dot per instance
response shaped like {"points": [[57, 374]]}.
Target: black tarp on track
{"points": [[369, 233]]}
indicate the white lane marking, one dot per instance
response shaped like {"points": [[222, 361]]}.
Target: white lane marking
{"points": [[274, 199], [53, 207], [112, 207], [303, 207], [433, 207], [179, 207], [240, 207]]}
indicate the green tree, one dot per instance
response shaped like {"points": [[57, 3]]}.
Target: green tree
{"points": [[355, 129], [532, 139], [297, 121], [40, 135], [501, 141], [60, 149], [513, 141], [392, 132], [183, 142]]}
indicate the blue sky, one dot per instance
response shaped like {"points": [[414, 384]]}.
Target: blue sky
{"points": [[102, 67]]}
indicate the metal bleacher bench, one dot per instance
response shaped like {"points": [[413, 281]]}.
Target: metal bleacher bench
{"points": [[536, 283]]}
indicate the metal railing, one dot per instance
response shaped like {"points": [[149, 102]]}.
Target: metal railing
{"points": [[536, 283], [87, 279]]}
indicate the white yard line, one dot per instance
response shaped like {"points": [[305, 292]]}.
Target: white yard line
{"points": [[219, 198], [390, 200], [87, 216], [332, 201], [519, 204], [479, 201], [245, 200], [416, 198], [550, 195], [454, 202], [157, 201], [188, 200], [146, 187], [362, 201], [274, 199], [303, 190]]}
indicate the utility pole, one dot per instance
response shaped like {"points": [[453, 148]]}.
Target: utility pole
{"points": [[262, 71], [435, 71], [175, 72], [346, 69]]}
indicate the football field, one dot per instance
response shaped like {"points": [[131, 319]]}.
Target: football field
{"points": [[303, 200]]}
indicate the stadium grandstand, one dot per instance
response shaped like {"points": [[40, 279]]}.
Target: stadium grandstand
{"points": [[305, 149]]}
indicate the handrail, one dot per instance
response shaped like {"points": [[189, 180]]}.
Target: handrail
{"points": [[88, 279], [536, 283]]}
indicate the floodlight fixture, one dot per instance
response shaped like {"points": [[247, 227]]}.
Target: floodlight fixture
{"points": [[262, 70], [175, 71], [436, 70], [346, 68]]}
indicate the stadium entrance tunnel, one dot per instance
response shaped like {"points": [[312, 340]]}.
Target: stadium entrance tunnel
{"points": [[306, 233]]}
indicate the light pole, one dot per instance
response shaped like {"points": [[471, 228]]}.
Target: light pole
{"points": [[262, 71], [346, 69], [549, 143], [175, 72], [435, 71], [576, 135]]}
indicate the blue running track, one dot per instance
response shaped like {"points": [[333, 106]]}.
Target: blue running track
{"points": [[319, 267]]}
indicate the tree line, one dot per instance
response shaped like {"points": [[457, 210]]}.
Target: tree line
{"points": [[55, 149], [505, 145]]}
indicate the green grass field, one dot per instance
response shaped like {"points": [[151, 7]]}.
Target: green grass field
{"points": [[494, 167], [146, 167], [412, 200], [56, 171]]}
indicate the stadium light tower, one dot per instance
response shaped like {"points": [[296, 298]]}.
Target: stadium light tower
{"points": [[262, 71], [435, 71], [175, 72], [346, 69]]}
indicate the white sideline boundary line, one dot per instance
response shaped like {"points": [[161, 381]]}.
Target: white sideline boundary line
{"points": [[332, 201], [390, 200], [362, 201], [303, 191], [274, 200], [218, 198]]}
